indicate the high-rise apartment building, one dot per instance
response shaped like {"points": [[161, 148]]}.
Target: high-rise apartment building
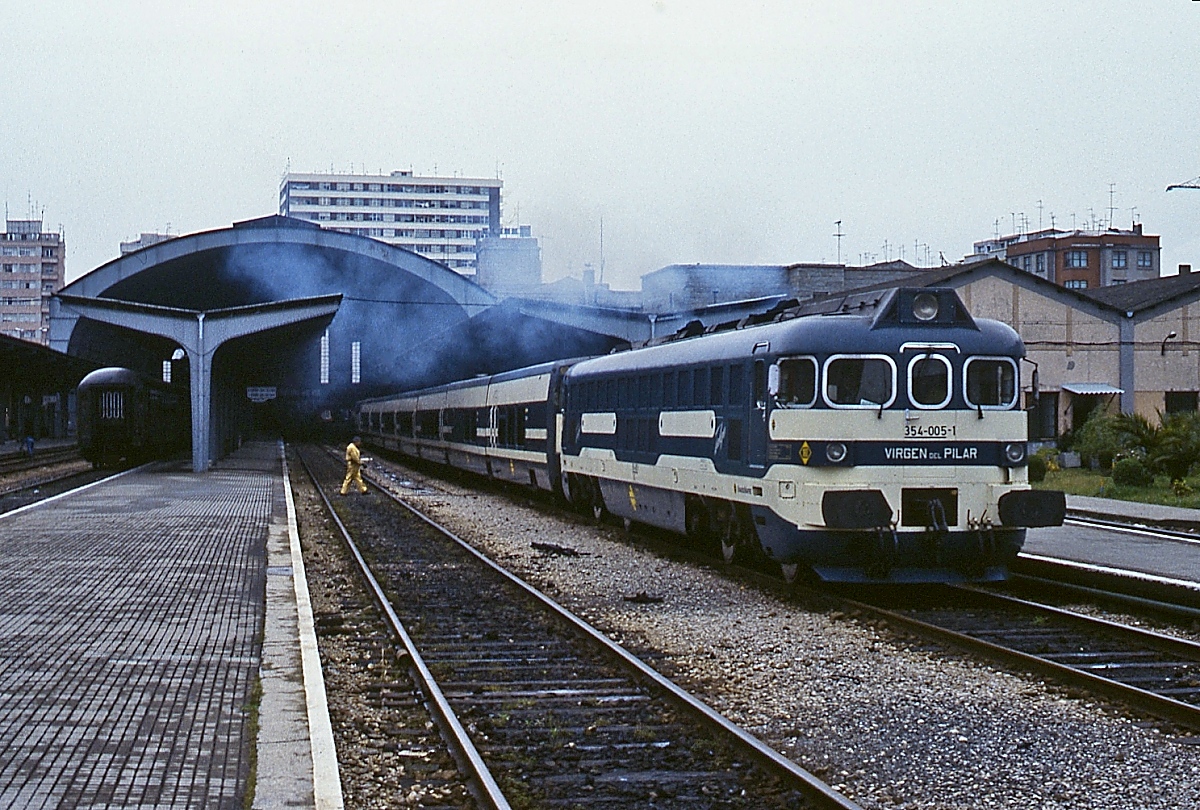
{"points": [[438, 217], [1078, 259], [32, 269]]}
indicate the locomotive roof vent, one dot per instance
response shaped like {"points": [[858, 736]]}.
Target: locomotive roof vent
{"points": [[923, 306]]}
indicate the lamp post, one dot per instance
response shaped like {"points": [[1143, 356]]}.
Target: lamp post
{"points": [[1163, 348]]}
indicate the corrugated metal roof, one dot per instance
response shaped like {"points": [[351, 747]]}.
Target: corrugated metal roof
{"points": [[1087, 388]]}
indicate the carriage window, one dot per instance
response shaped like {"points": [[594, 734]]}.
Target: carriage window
{"points": [[929, 381], [859, 382], [700, 386], [735, 384], [797, 382], [717, 386], [991, 382]]}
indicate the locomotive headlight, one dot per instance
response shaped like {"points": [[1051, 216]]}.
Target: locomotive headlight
{"points": [[925, 306], [1014, 453], [835, 452]]}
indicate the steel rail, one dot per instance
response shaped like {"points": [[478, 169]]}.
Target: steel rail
{"points": [[44, 501], [484, 785], [811, 786], [1175, 711], [1144, 529], [1100, 595]]}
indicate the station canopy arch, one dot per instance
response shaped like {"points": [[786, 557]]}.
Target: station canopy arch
{"points": [[392, 299]]}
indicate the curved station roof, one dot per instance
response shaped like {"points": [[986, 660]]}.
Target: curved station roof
{"points": [[315, 318]]}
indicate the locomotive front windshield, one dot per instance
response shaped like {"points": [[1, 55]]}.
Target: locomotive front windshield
{"points": [[991, 382], [859, 381], [929, 381]]}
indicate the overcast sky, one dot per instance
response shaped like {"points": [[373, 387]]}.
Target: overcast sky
{"points": [[696, 131]]}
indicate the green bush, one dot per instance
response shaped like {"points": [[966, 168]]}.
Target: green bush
{"points": [[1131, 472], [1099, 440], [1037, 469]]}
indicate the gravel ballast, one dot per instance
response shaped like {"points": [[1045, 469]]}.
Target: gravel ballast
{"points": [[890, 721]]}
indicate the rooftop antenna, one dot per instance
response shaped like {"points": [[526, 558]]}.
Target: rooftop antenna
{"points": [[1112, 189], [1052, 220], [839, 236], [1040, 206], [1133, 215], [996, 229]]}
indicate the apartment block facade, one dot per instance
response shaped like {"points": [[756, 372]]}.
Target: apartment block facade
{"points": [[1078, 259], [440, 218], [32, 269]]}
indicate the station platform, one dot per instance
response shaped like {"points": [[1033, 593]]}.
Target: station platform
{"points": [[156, 645], [1172, 561]]}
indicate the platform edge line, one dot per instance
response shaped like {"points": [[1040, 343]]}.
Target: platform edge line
{"points": [[327, 782]]}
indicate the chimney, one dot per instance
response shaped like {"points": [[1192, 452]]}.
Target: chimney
{"points": [[1185, 269], [1137, 228]]}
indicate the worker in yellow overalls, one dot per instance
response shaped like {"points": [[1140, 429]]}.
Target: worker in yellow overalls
{"points": [[354, 466]]}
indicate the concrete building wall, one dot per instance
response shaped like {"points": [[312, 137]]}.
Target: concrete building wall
{"points": [[509, 265], [32, 269], [1068, 344], [1167, 364]]}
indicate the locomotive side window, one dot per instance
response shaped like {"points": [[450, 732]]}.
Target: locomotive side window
{"points": [[797, 382], [860, 381], [991, 382], [669, 389], [929, 381]]}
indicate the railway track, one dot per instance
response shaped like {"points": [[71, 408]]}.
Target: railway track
{"points": [[541, 709], [18, 462], [1152, 672], [42, 487]]}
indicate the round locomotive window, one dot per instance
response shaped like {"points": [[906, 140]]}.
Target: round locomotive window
{"points": [[929, 381]]}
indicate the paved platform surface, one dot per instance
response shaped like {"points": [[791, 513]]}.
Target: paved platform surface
{"points": [[131, 626], [1157, 557]]}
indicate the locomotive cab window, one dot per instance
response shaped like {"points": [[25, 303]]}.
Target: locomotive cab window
{"points": [[990, 382], [797, 383], [929, 381], [865, 381]]}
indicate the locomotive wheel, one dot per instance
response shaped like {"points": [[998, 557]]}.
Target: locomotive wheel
{"points": [[596, 499], [739, 540]]}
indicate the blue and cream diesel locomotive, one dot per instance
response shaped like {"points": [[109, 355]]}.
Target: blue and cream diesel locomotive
{"points": [[869, 438]]}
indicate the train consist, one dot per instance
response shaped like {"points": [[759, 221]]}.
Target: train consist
{"points": [[875, 438], [126, 419]]}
